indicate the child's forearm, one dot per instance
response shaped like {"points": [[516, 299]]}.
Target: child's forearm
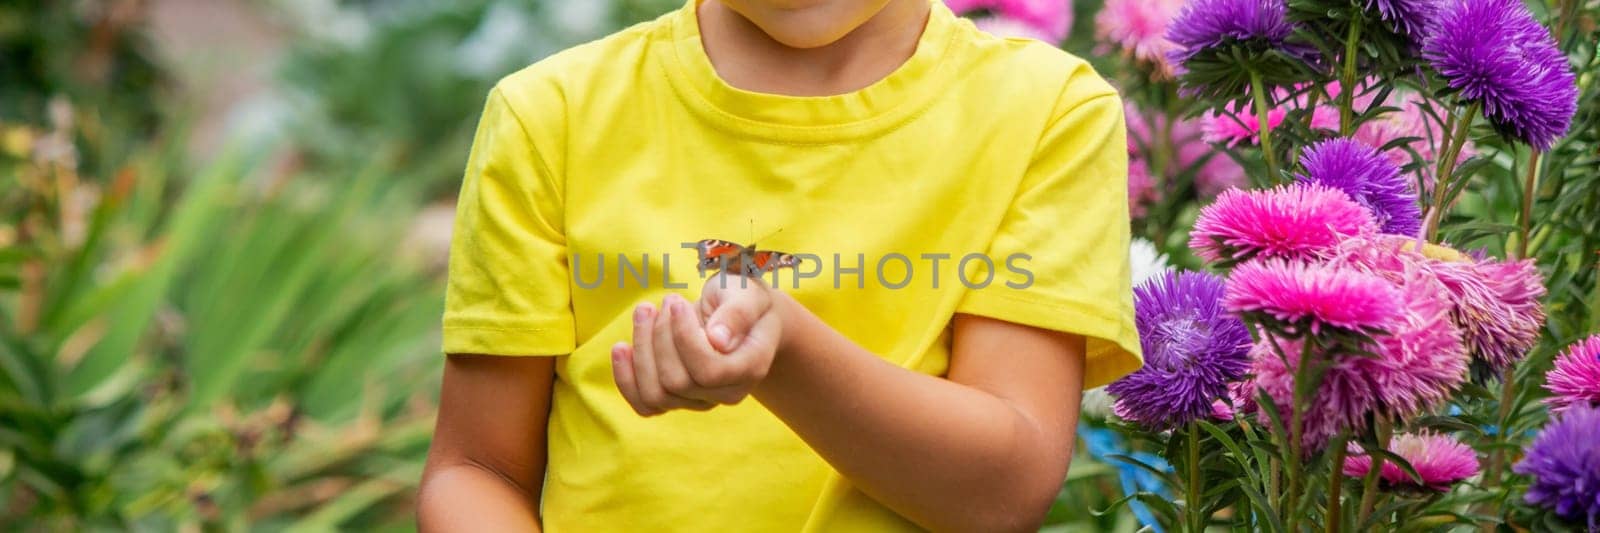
{"points": [[468, 498], [946, 455]]}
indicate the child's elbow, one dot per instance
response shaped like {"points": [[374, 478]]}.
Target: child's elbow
{"points": [[1016, 517], [1022, 509]]}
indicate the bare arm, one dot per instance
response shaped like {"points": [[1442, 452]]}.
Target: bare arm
{"points": [[985, 450], [486, 465]]}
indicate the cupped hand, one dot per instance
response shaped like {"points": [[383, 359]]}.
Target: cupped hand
{"points": [[698, 356]]}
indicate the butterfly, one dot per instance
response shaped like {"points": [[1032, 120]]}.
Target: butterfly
{"points": [[728, 256]]}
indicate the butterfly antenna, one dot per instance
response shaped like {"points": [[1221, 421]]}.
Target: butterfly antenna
{"points": [[768, 236]]}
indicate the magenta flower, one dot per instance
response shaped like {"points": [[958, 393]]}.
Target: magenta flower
{"points": [[1295, 221], [1495, 53], [1139, 28], [1046, 20], [1440, 460], [1369, 178], [1312, 297], [1575, 381]]}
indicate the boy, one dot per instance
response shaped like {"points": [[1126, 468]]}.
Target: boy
{"points": [[961, 201]]}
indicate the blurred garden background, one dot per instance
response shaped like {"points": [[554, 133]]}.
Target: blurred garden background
{"points": [[223, 226]]}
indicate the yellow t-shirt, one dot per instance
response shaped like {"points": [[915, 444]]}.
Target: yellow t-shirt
{"points": [[632, 145]]}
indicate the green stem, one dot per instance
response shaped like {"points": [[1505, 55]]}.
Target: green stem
{"points": [[1296, 432], [1528, 186], [1196, 521], [1508, 391], [1446, 167], [1369, 483], [1258, 93], [1336, 484], [1274, 481], [1347, 83], [1564, 13]]}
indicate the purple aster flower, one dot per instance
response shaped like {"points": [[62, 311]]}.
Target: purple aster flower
{"points": [[1407, 17], [1369, 177], [1192, 349], [1575, 381], [1295, 221], [1311, 297], [1205, 25], [1564, 463], [1440, 460], [1495, 53]]}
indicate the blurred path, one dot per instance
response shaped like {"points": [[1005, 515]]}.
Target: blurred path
{"points": [[223, 53]]}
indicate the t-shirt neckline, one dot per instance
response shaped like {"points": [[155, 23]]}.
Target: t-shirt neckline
{"points": [[901, 94]]}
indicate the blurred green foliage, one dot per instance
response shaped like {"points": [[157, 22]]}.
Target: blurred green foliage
{"points": [[413, 83], [92, 53], [185, 348]]}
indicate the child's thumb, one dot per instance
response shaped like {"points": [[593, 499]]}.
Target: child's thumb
{"points": [[730, 323]]}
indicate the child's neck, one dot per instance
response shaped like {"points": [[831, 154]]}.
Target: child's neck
{"points": [[748, 58]]}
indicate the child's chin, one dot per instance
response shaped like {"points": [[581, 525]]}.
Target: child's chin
{"points": [[805, 36]]}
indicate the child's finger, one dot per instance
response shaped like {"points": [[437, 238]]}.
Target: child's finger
{"points": [[663, 387], [650, 396], [675, 378], [716, 377], [622, 371]]}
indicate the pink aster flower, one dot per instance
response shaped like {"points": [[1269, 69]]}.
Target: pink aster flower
{"points": [[1494, 303], [1220, 410], [1440, 460], [1004, 26], [1298, 220], [1046, 20], [1412, 365], [1420, 359], [1575, 381], [1139, 28], [1212, 172], [1243, 128], [1498, 309], [1311, 297], [1141, 187], [1337, 405], [1243, 393]]}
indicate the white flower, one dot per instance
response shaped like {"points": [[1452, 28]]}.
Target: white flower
{"points": [[1146, 260], [1096, 404]]}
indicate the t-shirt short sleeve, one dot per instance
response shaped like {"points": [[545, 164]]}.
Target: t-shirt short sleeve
{"points": [[507, 292], [1070, 218]]}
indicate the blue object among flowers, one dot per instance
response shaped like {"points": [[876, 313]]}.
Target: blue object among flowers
{"points": [[1101, 443]]}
